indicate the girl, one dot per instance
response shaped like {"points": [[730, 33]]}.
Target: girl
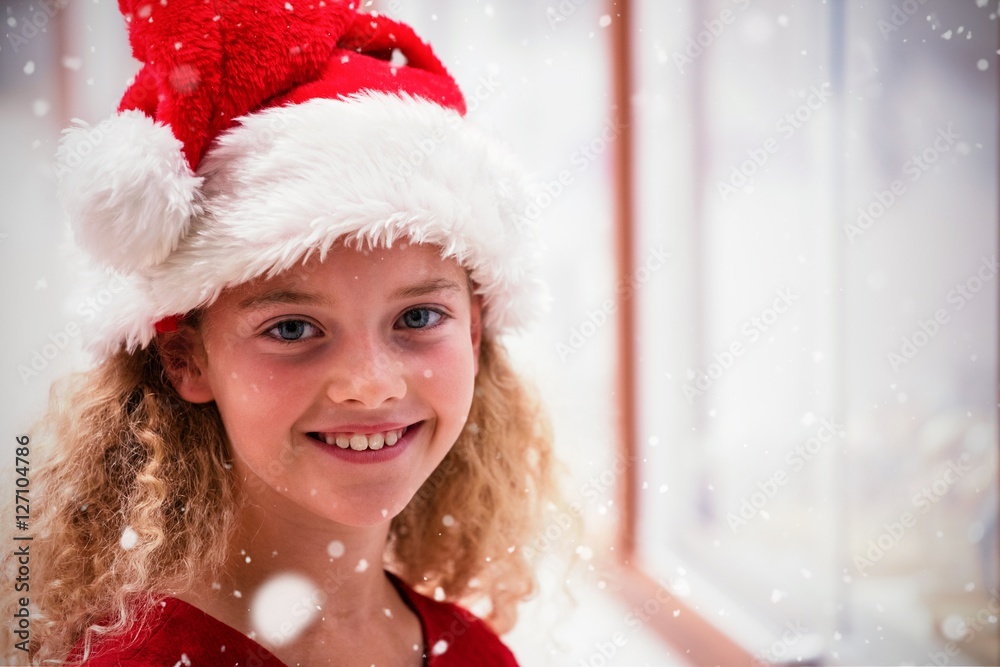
{"points": [[302, 441]]}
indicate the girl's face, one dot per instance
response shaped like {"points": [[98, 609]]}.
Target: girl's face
{"points": [[342, 384]]}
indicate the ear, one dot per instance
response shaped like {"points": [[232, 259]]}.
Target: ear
{"points": [[185, 363], [476, 328]]}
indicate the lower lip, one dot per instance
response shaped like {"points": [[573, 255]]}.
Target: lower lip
{"points": [[387, 453]]}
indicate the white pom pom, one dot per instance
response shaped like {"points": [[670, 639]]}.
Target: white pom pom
{"points": [[129, 191]]}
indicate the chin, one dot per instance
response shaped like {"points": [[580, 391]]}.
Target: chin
{"points": [[367, 513]]}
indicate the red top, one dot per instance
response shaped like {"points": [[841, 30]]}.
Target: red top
{"points": [[181, 634]]}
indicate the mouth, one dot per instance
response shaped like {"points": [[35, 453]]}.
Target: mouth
{"points": [[361, 442]]}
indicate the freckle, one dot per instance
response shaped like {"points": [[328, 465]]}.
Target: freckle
{"points": [[428, 373]]}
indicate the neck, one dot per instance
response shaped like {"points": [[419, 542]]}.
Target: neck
{"points": [[342, 562], [341, 607], [340, 567]]}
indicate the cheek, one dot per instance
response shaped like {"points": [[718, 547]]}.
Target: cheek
{"points": [[447, 377], [253, 395], [258, 405]]}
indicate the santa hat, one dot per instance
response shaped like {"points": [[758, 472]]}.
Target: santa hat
{"points": [[257, 134]]}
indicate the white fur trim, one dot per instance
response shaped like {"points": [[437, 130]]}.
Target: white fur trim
{"points": [[127, 188], [376, 169]]}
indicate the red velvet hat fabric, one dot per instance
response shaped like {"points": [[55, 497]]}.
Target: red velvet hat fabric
{"points": [[259, 132], [206, 63]]}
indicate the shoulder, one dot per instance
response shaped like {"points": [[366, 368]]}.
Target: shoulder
{"points": [[455, 636], [176, 634]]}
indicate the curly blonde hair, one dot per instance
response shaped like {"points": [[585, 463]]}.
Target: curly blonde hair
{"points": [[122, 458]]}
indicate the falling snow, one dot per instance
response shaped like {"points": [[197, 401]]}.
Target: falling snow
{"points": [[129, 538], [952, 626], [335, 549], [283, 607], [398, 58]]}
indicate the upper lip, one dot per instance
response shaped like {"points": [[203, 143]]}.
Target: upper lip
{"points": [[364, 429]]}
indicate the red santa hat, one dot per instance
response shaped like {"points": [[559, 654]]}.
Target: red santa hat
{"points": [[257, 134]]}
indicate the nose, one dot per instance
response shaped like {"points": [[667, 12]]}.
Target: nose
{"points": [[364, 373]]}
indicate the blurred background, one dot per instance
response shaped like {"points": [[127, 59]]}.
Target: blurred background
{"points": [[771, 354]]}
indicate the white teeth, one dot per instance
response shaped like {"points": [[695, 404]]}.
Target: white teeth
{"points": [[360, 442]]}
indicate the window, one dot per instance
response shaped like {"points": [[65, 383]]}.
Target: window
{"points": [[817, 360]]}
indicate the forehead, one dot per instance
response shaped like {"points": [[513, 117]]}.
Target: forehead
{"points": [[343, 268]]}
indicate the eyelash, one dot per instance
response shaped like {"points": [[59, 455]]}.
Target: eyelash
{"points": [[442, 318], [277, 338]]}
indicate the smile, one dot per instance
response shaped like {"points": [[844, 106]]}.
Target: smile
{"points": [[360, 441]]}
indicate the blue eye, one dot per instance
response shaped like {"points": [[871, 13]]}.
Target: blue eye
{"points": [[421, 318], [289, 331]]}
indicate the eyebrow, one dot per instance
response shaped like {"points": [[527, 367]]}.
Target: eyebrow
{"points": [[281, 296], [295, 297], [429, 287]]}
